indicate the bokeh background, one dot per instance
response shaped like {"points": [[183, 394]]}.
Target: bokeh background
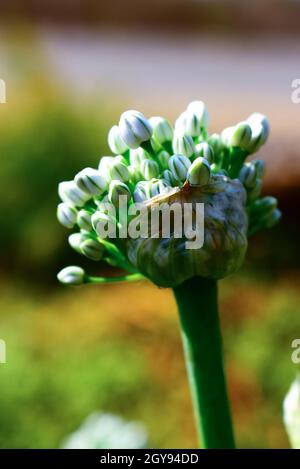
{"points": [[70, 69]]}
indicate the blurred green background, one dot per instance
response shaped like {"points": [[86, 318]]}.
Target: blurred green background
{"points": [[117, 348]]}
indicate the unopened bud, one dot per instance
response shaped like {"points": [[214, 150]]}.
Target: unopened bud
{"points": [[291, 413], [248, 175], [141, 192], [260, 131], [260, 167], [71, 275], [70, 193], [115, 141], [118, 171], [101, 220], [92, 249], [158, 186], [199, 108], [134, 128], [179, 165], [169, 178], [84, 220], [75, 239], [104, 165], [163, 159], [162, 129], [206, 151], [199, 172], [241, 136], [89, 180], [149, 169], [137, 156], [117, 189], [184, 145], [188, 123], [66, 215]]}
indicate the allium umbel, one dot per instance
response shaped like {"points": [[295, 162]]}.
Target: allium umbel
{"points": [[200, 180]]}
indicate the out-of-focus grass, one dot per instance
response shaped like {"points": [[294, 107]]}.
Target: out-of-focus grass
{"points": [[112, 348]]}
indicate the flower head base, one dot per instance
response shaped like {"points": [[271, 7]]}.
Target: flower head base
{"points": [[154, 165]]}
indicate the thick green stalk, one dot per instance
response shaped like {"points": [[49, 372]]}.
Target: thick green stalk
{"points": [[198, 311]]}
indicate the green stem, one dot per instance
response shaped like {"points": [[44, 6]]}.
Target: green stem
{"points": [[123, 278], [198, 311]]}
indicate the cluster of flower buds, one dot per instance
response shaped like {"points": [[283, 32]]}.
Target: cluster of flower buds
{"points": [[152, 158]]}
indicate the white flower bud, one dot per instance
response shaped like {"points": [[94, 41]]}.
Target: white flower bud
{"points": [[169, 178], [141, 192], [89, 180], [137, 156], [226, 135], [134, 128], [162, 129], [257, 117], [199, 172], [149, 169], [241, 136], [188, 123], [184, 145], [92, 249], [66, 215], [248, 175], [104, 164], [84, 220], [179, 165], [291, 413], [199, 108], [159, 186], [260, 167], [75, 239], [260, 131], [70, 193], [71, 275], [115, 141], [100, 220], [206, 151], [119, 172], [216, 143], [117, 189]]}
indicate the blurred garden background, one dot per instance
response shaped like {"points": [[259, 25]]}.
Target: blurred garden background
{"points": [[70, 70]]}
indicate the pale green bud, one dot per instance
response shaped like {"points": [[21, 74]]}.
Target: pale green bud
{"points": [[271, 219], [134, 128], [70, 193], [92, 249], [66, 215], [118, 171], [188, 123], [179, 165], [71, 275], [100, 220], [184, 145], [163, 159], [263, 206], [206, 151], [199, 108], [104, 165], [241, 136], [137, 156], [169, 178], [291, 413], [226, 135], [117, 189], [216, 143], [149, 169], [162, 129], [141, 192], [115, 141], [89, 180], [75, 239], [159, 186], [260, 167], [84, 220], [254, 193], [199, 172], [248, 175], [257, 117]]}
